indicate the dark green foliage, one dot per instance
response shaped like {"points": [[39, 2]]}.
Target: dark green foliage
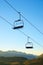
{"points": [[20, 61]]}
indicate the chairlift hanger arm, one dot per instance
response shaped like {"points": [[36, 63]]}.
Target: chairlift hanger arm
{"points": [[19, 16]]}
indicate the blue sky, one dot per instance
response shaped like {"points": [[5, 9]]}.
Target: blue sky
{"points": [[13, 39]]}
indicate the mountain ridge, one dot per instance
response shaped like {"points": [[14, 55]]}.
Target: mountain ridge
{"points": [[16, 53]]}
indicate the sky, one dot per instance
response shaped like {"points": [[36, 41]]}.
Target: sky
{"points": [[11, 39]]}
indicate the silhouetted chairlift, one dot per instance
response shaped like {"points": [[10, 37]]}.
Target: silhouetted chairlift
{"points": [[29, 45], [18, 23]]}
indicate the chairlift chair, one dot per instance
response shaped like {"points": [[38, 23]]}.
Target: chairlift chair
{"points": [[29, 45], [18, 23]]}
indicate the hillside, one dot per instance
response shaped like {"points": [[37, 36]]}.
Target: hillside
{"points": [[21, 61], [12, 60]]}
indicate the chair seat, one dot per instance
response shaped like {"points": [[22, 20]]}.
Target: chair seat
{"points": [[17, 27]]}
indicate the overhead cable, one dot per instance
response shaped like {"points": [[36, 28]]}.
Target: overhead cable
{"points": [[21, 31], [24, 17], [5, 20]]}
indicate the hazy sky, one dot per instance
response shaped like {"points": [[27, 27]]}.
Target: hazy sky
{"points": [[13, 39]]}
